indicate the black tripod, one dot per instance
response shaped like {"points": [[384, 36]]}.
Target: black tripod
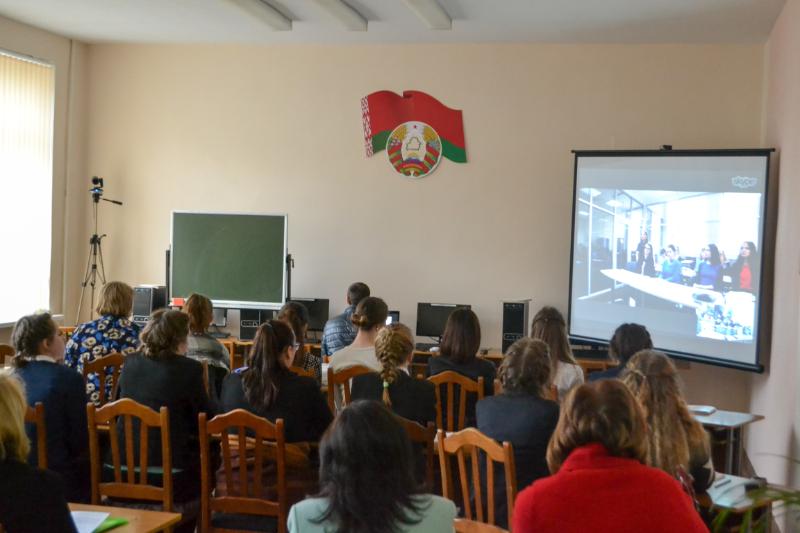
{"points": [[95, 271]]}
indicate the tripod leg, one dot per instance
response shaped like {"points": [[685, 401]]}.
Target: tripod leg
{"points": [[86, 278], [102, 271]]}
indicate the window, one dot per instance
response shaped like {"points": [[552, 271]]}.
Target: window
{"points": [[27, 95]]}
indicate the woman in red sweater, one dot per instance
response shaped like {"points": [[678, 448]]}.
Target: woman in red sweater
{"points": [[599, 481]]}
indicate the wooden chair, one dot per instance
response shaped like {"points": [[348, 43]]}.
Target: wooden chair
{"points": [[303, 372], [206, 384], [451, 380], [342, 379], [7, 353], [66, 331], [424, 435], [130, 486], [470, 441], [462, 525], [245, 495], [35, 415], [99, 366], [590, 365]]}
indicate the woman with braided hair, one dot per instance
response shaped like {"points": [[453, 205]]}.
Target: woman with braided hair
{"points": [[414, 399], [677, 442], [549, 326]]}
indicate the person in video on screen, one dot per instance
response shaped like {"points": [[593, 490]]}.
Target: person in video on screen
{"points": [[626, 341], [646, 264], [644, 239], [339, 331], [744, 272], [709, 268], [671, 267]]}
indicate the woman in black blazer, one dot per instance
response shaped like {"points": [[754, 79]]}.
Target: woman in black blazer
{"points": [[411, 398], [521, 415], [159, 376]]}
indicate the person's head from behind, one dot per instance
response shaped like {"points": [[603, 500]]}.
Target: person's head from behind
{"points": [[394, 349], [271, 355], [602, 412], [526, 368], [462, 336], [296, 315], [116, 299], [549, 326], [357, 292], [370, 314], [36, 335], [627, 340], [165, 334], [14, 444], [367, 470], [200, 311]]}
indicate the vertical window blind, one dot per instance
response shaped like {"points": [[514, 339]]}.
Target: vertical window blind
{"points": [[27, 96]]}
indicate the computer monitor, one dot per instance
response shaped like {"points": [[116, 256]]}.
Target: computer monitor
{"points": [[393, 318], [318, 311], [431, 318], [219, 318]]}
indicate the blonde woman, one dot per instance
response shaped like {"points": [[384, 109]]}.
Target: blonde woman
{"points": [[676, 440], [30, 499], [549, 326]]}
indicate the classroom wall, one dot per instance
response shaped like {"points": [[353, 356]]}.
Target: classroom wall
{"points": [[774, 394], [278, 129], [69, 156]]}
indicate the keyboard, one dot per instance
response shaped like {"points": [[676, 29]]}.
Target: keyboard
{"points": [[426, 346], [219, 334]]}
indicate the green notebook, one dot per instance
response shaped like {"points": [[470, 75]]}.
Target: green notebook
{"points": [[110, 523]]}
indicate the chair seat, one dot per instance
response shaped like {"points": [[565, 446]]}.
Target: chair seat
{"points": [[244, 522]]}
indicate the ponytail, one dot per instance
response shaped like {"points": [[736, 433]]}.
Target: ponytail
{"points": [[393, 345], [261, 380], [370, 312]]}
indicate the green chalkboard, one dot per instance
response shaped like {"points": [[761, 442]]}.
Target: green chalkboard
{"points": [[234, 259]]}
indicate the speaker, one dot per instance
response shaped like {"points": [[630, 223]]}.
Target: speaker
{"points": [[515, 322], [250, 319], [146, 299]]}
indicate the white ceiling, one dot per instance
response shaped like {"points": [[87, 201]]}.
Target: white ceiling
{"points": [[391, 21]]}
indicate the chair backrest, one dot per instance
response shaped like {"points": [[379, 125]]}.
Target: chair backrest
{"points": [[451, 380], [342, 379], [462, 525], [245, 495], [588, 366], [469, 442], [99, 366], [130, 486], [303, 372], [6, 352], [35, 415], [206, 383], [66, 331], [424, 435]]}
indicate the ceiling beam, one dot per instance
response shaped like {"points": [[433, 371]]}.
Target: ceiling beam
{"points": [[263, 11], [344, 13], [431, 13]]}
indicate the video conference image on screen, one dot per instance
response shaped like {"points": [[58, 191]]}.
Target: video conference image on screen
{"points": [[683, 262]]}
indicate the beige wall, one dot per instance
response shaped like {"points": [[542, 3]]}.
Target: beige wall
{"points": [[775, 393], [278, 129], [69, 59]]}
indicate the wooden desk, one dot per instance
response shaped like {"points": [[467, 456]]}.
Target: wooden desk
{"points": [[733, 424], [236, 360], [139, 520]]}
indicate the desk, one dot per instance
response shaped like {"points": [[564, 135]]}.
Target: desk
{"points": [[661, 288], [139, 520], [733, 424]]}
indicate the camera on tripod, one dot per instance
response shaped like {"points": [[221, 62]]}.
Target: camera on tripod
{"points": [[97, 188]]}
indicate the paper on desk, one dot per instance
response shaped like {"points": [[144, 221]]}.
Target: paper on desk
{"points": [[88, 521]]}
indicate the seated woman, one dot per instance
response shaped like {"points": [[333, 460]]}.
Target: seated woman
{"points": [[525, 377], [709, 268], [112, 332], [201, 346], [367, 480], [626, 341], [411, 398], [549, 326], [458, 353], [31, 499], [40, 352], [296, 315], [677, 442], [369, 317], [744, 272], [600, 482], [671, 266], [160, 376]]}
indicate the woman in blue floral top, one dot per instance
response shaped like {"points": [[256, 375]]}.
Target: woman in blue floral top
{"points": [[112, 332]]}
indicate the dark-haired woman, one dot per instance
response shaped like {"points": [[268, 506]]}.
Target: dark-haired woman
{"points": [[201, 346], [646, 265], [600, 482], [40, 354], [367, 481], [161, 376], [369, 317], [709, 268], [458, 353], [296, 315], [549, 326], [744, 271], [525, 376], [626, 341]]}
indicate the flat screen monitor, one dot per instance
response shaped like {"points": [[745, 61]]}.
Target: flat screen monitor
{"points": [[672, 240], [431, 318], [318, 311], [393, 318], [219, 317]]}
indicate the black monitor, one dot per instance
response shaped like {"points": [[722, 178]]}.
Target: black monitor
{"points": [[393, 318], [431, 318], [318, 310], [219, 317]]}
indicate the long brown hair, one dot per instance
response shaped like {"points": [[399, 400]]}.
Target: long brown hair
{"points": [[29, 332], [393, 346], [526, 367], [261, 380], [549, 326], [462, 336], [673, 434], [200, 311], [296, 315], [164, 332]]}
